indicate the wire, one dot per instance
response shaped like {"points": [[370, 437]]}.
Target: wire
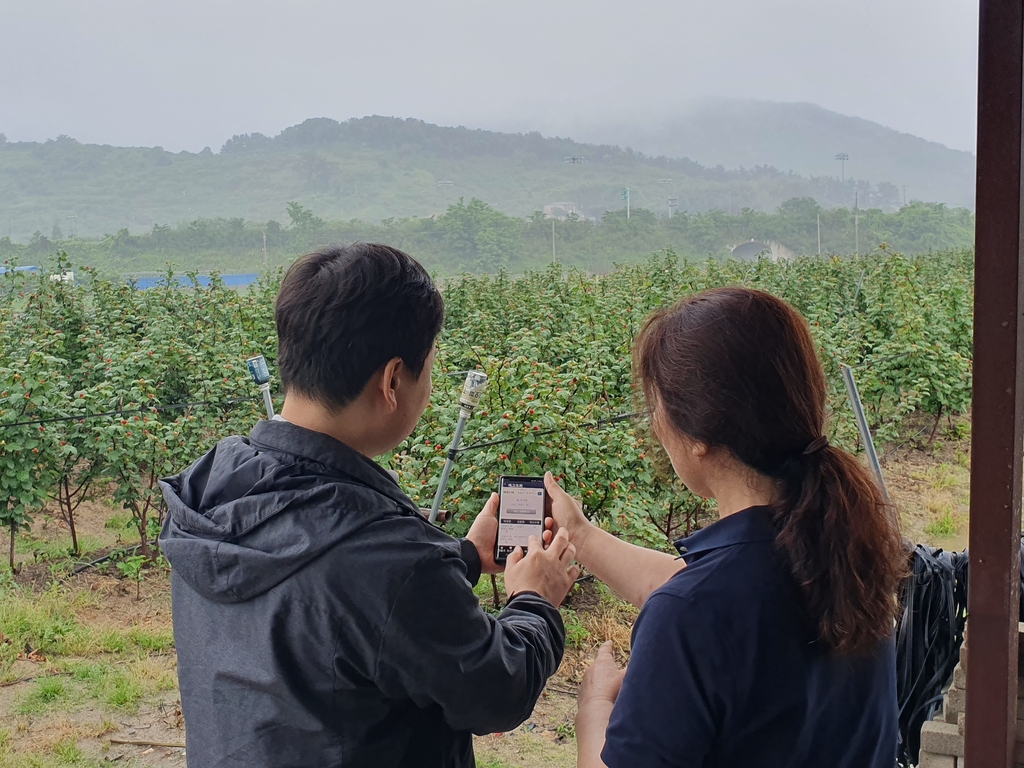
{"points": [[591, 425], [123, 411]]}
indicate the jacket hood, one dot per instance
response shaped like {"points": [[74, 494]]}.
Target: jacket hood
{"points": [[252, 512]]}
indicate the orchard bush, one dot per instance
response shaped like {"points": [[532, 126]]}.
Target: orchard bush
{"points": [[167, 367]]}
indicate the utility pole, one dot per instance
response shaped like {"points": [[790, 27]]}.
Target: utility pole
{"points": [[73, 217], [819, 234], [264, 251], [904, 194], [554, 258], [669, 183], [625, 196]]}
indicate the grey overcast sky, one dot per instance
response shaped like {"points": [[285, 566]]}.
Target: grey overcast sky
{"points": [[183, 74]]}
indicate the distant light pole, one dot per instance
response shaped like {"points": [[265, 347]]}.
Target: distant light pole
{"points": [[843, 157], [625, 196]]}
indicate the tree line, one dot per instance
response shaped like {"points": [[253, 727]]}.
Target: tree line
{"points": [[473, 236]]}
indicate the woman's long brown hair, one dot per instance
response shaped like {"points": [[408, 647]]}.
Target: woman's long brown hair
{"points": [[736, 368]]}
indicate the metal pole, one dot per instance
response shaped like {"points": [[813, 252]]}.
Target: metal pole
{"points": [[819, 234], [453, 453], [997, 414], [472, 391], [862, 426], [627, 203], [264, 251], [268, 402]]}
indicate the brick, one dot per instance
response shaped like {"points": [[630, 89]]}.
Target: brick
{"points": [[960, 720], [931, 760], [955, 701], [941, 738], [960, 677]]}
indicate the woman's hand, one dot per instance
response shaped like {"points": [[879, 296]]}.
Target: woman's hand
{"points": [[596, 698], [603, 679], [567, 513]]}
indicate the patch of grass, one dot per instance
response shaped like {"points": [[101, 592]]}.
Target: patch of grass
{"points": [[123, 693], [46, 621], [37, 760], [945, 525], [48, 693], [153, 642], [119, 522], [67, 752]]}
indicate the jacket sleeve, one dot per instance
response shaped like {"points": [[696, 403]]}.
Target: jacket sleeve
{"points": [[439, 647]]}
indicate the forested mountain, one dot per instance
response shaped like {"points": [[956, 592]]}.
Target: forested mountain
{"points": [[377, 168], [805, 139]]}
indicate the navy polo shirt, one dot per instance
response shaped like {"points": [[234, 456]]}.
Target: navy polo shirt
{"points": [[726, 671]]}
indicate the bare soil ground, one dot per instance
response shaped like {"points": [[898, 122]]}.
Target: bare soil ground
{"points": [[102, 686]]}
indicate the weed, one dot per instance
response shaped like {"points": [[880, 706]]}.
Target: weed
{"points": [[943, 526], [49, 691], [123, 693], [566, 729], [153, 642], [67, 751], [132, 568], [576, 635]]}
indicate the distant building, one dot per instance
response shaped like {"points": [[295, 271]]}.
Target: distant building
{"points": [[561, 211]]}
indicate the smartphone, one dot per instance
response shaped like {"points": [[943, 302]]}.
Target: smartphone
{"points": [[522, 508]]}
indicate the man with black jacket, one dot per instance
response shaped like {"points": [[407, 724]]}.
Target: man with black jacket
{"points": [[319, 619]]}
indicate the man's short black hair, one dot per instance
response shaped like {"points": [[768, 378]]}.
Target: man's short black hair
{"points": [[344, 311]]}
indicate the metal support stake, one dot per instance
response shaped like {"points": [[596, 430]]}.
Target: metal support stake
{"points": [[267, 400], [862, 425], [472, 391], [453, 454]]}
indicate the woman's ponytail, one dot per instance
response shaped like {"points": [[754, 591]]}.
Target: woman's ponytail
{"points": [[736, 368], [841, 539]]}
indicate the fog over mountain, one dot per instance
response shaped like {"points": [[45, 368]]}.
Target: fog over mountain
{"points": [[188, 74]]}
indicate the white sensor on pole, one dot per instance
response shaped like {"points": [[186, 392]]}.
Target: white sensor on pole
{"points": [[472, 391]]}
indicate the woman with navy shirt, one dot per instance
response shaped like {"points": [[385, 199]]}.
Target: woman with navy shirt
{"points": [[769, 642]]}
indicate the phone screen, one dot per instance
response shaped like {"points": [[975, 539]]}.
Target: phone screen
{"points": [[520, 513]]}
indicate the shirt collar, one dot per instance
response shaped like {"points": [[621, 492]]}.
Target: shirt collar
{"points": [[747, 526], [283, 436]]}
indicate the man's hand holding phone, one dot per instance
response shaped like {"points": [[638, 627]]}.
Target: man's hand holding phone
{"points": [[548, 572], [484, 533]]}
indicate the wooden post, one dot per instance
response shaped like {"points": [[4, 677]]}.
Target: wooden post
{"points": [[998, 405]]}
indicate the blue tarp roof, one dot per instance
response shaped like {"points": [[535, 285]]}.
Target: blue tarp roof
{"points": [[231, 281]]}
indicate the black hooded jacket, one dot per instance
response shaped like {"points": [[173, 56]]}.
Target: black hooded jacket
{"points": [[320, 621]]}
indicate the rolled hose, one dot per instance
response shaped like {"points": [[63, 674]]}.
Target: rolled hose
{"points": [[929, 633]]}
